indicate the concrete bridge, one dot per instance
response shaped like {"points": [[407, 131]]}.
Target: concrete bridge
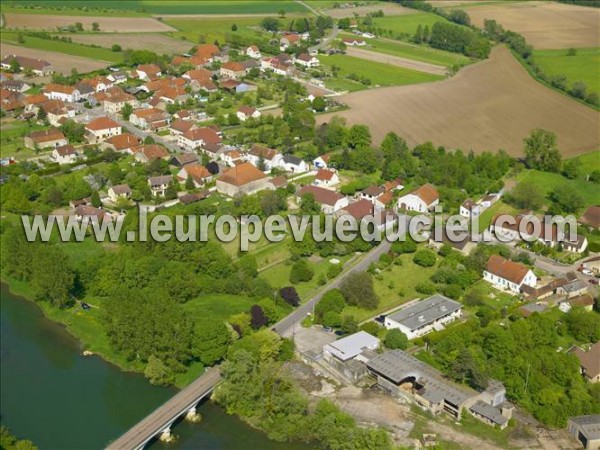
{"points": [[160, 421]]}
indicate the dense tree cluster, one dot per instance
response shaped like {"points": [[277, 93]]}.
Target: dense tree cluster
{"points": [[523, 355], [259, 389]]}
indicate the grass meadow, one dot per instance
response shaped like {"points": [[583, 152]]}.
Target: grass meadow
{"points": [[407, 23], [379, 73], [418, 52], [68, 48], [581, 67]]}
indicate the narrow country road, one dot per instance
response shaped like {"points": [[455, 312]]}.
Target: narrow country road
{"points": [[310, 8]]}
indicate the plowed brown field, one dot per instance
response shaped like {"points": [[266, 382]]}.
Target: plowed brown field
{"points": [[109, 24], [488, 106], [545, 25]]}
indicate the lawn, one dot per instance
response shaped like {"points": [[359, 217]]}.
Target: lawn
{"points": [[581, 67], [418, 52], [548, 181], [217, 307], [215, 29], [68, 48], [378, 73], [497, 208], [407, 23], [394, 286], [165, 7], [11, 139], [589, 162]]}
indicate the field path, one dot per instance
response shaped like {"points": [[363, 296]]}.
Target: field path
{"points": [[60, 62], [396, 61], [490, 105]]}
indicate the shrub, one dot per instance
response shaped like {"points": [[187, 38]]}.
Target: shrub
{"points": [[290, 295], [425, 258], [334, 270], [371, 327], [301, 272], [357, 290], [395, 339], [425, 287]]}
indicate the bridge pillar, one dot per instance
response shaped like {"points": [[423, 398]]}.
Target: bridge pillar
{"points": [[192, 415], [166, 436]]}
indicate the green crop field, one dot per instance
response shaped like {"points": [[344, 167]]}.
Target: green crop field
{"points": [[145, 7], [68, 48], [581, 67], [213, 29], [418, 53], [407, 23], [379, 73]]}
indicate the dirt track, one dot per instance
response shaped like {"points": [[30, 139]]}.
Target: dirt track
{"points": [[486, 106], [60, 62], [545, 25], [155, 42], [109, 24], [396, 61]]}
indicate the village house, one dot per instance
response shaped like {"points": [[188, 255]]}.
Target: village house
{"points": [[102, 128], [424, 317], [57, 112], [88, 214], [264, 158], [119, 191], [64, 154], [291, 163], [148, 153], [460, 242], [117, 77], [197, 172], [121, 143], [329, 200], [354, 41], [589, 362], [253, 52], [508, 275], [174, 94], [591, 217], [245, 112], [62, 92], [16, 85], [327, 178], [99, 83], [52, 137], [38, 67], [307, 61], [573, 288], [469, 208], [148, 72], [321, 162], [115, 99], [242, 179], [422, 199], [183, 159], [592, 265], [150, 119], [585, 301], [232, 158], [197, 138], [288, 40], [158, 185], [181, 126], [233, 70]]}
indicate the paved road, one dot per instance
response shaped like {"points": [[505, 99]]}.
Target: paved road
{"points": [[286, 326], [165, 414]]}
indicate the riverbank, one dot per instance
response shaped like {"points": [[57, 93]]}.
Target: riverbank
{"points": [[85, 327]]}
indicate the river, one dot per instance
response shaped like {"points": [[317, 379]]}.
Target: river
{"points": [[61, 400]]}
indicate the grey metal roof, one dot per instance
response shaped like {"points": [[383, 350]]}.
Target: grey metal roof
{"points": [[575, 286], [351, 346], [397, 365], [425, 312], [489, 412], [291, 159], [589, 425]]}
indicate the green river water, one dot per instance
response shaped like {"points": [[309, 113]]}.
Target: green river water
{"points": [[61, 400]]}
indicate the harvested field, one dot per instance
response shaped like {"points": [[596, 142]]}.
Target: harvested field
{"points": [[61, 62], [108, 24], [389, 9], [155, 42], [489, 105], [545, 25], [396, 61]]}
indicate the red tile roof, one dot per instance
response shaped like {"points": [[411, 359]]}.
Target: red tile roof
{"points": [[102, 123], [508, 270], [322, 196], [324, 175], [241, 175]]}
